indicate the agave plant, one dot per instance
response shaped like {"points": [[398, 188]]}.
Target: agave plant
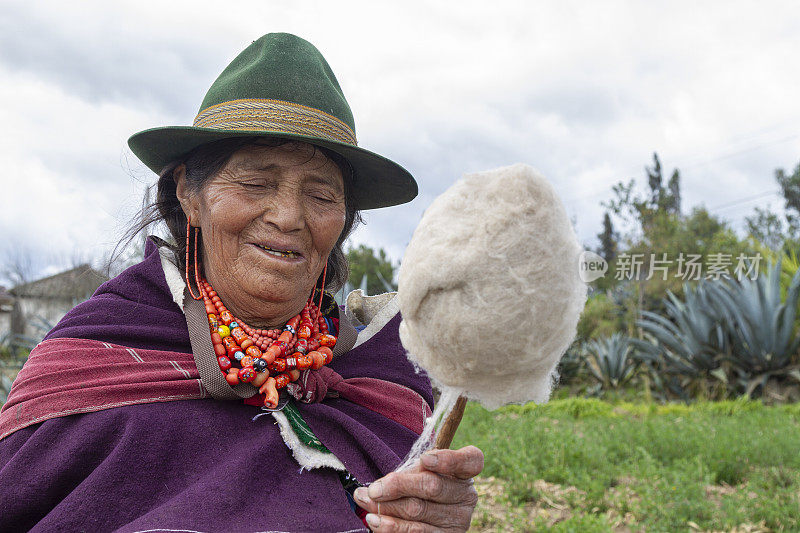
{"points": [[693, 341], [612, 360], [761, 324]]}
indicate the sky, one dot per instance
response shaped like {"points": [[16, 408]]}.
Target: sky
{"points": [[583, 91]]}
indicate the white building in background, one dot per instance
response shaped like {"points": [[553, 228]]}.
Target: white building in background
{"points": [[38, 305]]}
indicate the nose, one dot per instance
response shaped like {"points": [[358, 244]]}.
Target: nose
{"points": [[286, 210]]}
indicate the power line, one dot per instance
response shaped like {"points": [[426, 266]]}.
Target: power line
{"points": [[744, 140], [743, 151], [684, 166], [744, 200]]}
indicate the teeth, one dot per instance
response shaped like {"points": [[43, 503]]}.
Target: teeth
{"points": [[278, 253]]}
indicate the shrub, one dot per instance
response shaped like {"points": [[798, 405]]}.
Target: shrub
{"points": [[611, 360], [734, 335]]}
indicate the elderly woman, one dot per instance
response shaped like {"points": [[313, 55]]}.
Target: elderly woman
{"points": [[140, 410]]}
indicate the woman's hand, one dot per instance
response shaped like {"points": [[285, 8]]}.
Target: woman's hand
{"points": [[437, 496]]}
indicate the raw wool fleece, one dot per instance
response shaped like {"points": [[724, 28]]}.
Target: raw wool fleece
{"points": [[489, 288]]}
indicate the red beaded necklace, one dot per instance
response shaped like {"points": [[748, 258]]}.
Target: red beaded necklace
{"points": [[267, 359]]}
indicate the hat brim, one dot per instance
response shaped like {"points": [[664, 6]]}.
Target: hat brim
{"points": [[377, 181]]}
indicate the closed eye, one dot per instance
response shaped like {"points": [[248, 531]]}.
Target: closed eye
{"points": [[254, 184], [325, 196]]}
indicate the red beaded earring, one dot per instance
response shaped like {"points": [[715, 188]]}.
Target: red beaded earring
{"points": [[196, 276]]}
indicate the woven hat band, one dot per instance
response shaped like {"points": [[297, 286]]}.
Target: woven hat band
{"points": [[258, 114]]}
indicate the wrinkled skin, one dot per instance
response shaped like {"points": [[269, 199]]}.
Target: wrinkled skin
{"points": [[439, 495], [288, 197]]}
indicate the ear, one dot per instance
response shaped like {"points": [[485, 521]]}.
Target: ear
{"points": [[187, 200]]}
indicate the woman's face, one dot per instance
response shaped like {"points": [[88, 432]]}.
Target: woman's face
{"points": [[269, 219]]}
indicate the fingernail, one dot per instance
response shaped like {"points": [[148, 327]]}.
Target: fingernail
{"points": [[361, 494], [373, 520], [376, 490], [430, 459]]}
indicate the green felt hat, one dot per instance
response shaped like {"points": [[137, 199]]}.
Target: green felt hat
{"points": [[281, 86]]}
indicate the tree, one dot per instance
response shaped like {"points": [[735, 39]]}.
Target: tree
{"points": [[377, 267], [655, 181], [767, 228], [671, 236], [790, 188], [609, 244], [667, 199], [642, 210], [608, 239], [18, 265], [674, 190], [658, 233]]}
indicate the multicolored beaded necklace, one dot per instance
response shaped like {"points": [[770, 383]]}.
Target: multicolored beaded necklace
{"points": [[268, 359]]}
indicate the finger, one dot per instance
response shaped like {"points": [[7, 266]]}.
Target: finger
{"points": [[425, 485], [391, 524], [417, 510], [462, 464]]}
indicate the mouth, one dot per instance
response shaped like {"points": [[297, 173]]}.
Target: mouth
{"points": [[290, 254]]}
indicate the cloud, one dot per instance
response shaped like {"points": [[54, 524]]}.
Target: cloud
{"points": [[584, 91], [101, 54], [64, 187]]}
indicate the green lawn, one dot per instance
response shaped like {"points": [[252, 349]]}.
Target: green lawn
{"points": [[586, 465]]}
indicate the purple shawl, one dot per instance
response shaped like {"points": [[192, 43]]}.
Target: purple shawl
{"points": [[193, 465]]}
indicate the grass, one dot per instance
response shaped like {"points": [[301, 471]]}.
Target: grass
{"points": [[589, 465]]}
